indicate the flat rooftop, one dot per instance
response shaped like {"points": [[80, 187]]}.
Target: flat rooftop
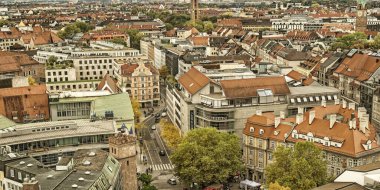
{"points": [[309, 90], [23, 133]]}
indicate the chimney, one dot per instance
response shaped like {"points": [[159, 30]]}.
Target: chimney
{"points": [[323, 103], [311, 116], [361, 111], [277, 121], [332, 120], [344, 104], [299, 118], [282, 114], [363, 123], [351, 106], [300, 110], [337, 102], [259, 112], [31, 184]]}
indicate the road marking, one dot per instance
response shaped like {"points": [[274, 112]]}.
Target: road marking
{"points": [[162, 143], [162, 167], [150, 157]]}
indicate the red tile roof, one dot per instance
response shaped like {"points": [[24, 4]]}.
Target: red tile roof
{"points": [[242, 88], [193, 81]]}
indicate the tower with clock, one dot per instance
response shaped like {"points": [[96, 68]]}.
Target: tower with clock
{"points": [[361, 16]]}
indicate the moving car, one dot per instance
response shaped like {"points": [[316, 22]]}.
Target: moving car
{"points": [[161, 153], [172, 181], [153, 127]]}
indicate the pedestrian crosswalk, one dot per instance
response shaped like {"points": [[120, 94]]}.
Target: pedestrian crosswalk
{"points": [[162, 167]]}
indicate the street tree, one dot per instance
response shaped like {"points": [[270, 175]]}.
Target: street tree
{"points": [[164, 72], [4, 23], [170, 133], [276, 186], [300, 168], [146, 181], [136, 109], [70, 30], [206, 156]]}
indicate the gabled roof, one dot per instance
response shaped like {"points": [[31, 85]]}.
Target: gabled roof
{"points": [[242, 88], [360, 67], [108, 83], [306, 81], [193, 81], [11, 61]]}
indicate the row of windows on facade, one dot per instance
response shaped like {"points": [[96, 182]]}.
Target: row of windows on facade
{"points": [[95, 61], [32, 72], [63, 87], [93, 67]]}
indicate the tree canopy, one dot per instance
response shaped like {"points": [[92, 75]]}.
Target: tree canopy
{"points": [[146, 181], [70, 30], [4, 22], [356, 40], [170, 133], [136, 109], [276, 186], [206, 156], [119, 41], [201, 26], [134, 38], [300, 168]]}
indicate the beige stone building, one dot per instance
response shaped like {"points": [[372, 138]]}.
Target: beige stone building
{"points": [[141, 81], [346, 137]]}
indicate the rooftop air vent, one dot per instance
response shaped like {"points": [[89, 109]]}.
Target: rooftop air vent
{"points": [[92, 154], [87, 172], [81, 179], [29, 165], [50, 176], [86, 163], [74, 186], [22, 162]]}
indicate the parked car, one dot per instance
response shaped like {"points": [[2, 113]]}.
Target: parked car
{"points": [[153, 127], [163, 114], [172, 181], [161, 153]]}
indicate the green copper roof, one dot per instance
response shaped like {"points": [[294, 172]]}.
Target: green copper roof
{"points": [[120, 104], [5, 122]]}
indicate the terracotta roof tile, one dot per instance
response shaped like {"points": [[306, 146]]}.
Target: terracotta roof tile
{"points": [[360, 67], [242, 88], [193, 81]]}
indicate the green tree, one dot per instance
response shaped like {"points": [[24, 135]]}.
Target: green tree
{"points": [[83, 27], [356, 40], [52, 60], [70, 30], [169, 26], [207, 156], [375, 44], [170, 133], [134, 37], [4, 22], [300, 168], [136, 109], [164, 72], [146, 181], [119, 41], [276, 186], [31, 81], [208, 26]]}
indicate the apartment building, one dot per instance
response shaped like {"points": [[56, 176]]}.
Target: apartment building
{"points": [[141, 80], [83, 70], [376, 109], [357, 77], [71, 171], [25, 104], [14, 64], [199, 101], [346, 137]]}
